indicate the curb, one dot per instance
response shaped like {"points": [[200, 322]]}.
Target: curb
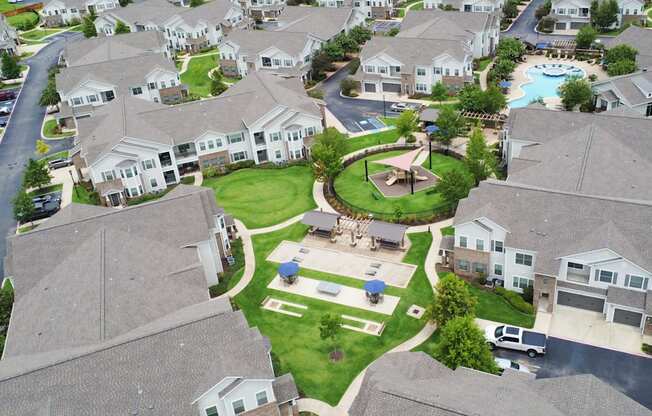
{"points": [[16, 101]]}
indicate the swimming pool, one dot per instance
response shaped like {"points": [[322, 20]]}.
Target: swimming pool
{"points": [[544, 81]]}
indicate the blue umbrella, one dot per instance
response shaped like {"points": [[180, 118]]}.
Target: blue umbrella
{"points": [[542, 45], [375, 286], [432, 129], [505, 84], [288, 269]]}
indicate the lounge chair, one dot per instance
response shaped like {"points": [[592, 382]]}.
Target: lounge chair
{"points": [[371, 272], [391, 181], [420, 178], [375, 265], [297, 259]]}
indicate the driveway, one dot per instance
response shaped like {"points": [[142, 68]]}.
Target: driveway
{"points": [[631, 374], [524, 27], [19, 140]]}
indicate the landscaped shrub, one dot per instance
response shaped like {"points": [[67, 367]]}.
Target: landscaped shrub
{"points": [[515, 300], [316, 93], [348, 86], [528, 294], [354, 65], [188, 180], [243, 164], [647, 348]]}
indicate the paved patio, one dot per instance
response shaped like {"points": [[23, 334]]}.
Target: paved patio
{"points": [[403, 188], [348, 296], [344, 263]]}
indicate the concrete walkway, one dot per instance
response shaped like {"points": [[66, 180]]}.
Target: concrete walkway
{"points": [[276, 227], [320, 198], [318, 407], [250, 261], [432, 258], [199, 178]]}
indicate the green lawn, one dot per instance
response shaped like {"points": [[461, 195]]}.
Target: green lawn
{"points": [[47, 189], [442, 164], [196, 76], [38, 34], [418, 6], [264, 197], [26, 228], [450, 230], [362, 142], [23, 18], [483, 63], [58, 155], [429, 345], [295, 341], [50, 130], [6, 86], [352, 188], [81, 195], [234, 273]]}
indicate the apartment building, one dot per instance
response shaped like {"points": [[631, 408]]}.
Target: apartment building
{"points": [[573, 14], [477, 6], [372, 9], [263, 10], [131, 147], [638, 38], [632, 92], [322, 23], [412, 65], [65, 12], [8, 38], [282, 53], [478, 31]]}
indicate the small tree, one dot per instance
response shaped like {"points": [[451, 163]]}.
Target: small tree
{"points": [[334, 51], [348, 86], [42, 148], [347, 43], [439, 92], [10, 67], [510, 9], [398, 213], [453, 186], [23, 206], [620, 53], [393, 32], [329, 329], [124, 3], [360, 34], [510, 48], [121, 28], [88, 27], [450, 125], [196, 3], [326, 154], [50, 96], [493, 100], [575, 92], [452, 299], [543, 10], [503, 68], [585, 37], [36, 174], [479, 159], [321, 63], [623, 67], [462, 344], [604, 14], [406, 125]]}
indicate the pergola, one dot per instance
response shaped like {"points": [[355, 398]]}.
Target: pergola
{"points": [[387, 234], [321, 223]]}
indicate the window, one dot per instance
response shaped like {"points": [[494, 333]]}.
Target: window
{"points": [[238, 406], [202, 146], [163, 84], [91, 98], [606, 276], [463, 241], [497, 246], [457, 72], [261, 398], [369, 68], [77, 101], [172, 83], [479, 268], [211, 144], [211, 411], [277, 62], [437, 70], [636, 282], [522, 282], [421, 87], [577, 266], [498, 269], [109, 175], [239, 156], [152, 85], [234, 138], [463, 265], [149, 164], [382, 69], [153, 183], [447, 71], [278, 154], [421, 72], [293, 136], [133, 191], [287, 62], [479, 244], [136, 91], [276, 136], [524, 259]]}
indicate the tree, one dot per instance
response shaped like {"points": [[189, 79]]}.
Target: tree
{"points": [[406, 125], [510, 48], [121, 28], [453, 186], [23, 206], [42, 148], [450, 125], [439, 92], [510, 9], [10, 68], [196, 3], [88, 27], [124, 3], [36, 174], [49, 96], [334, 51], [575, 92], [543, 10], [321, 63], [503, 68], [585, 37], [452, 299], [493, 100], [604, 13], [398, 213], [462, 344], [329, 328], [623, 67], [479, 159], [360, 34], [472, 98], [393, 32], [326, 153], [348, 85], [620, 53], [347, 43]]}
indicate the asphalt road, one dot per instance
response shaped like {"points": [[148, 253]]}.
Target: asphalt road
{"points": [[524, 27], [19, 140], [631, 374]]}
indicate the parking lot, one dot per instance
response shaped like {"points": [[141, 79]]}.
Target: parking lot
{"points": [[384, 26], [7, 104]]}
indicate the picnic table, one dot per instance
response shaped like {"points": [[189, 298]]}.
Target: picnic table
{"points": [[329, 288]]}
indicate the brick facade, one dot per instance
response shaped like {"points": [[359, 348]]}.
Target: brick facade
{"points": [[544, 288], [473, 257], [229, 67], [214, 159], [270, 409], [381, 13]]}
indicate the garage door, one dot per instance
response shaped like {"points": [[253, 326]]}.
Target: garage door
{"points": [[389, 87], [622, 316], [579, 301], [369, 87]]}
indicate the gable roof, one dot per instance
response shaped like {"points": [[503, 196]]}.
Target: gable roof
{"points": [[242, 104], [253, 42], [557, 223], [413, 52], [440, 24], [640, 39], [634, 89], [107, 48], [322, 22], [123, 73], [212, 12], [414, 384], [96, 282], [155, 11]]}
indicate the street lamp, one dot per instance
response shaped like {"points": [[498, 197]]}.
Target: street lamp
{"points": [[384, 110]]}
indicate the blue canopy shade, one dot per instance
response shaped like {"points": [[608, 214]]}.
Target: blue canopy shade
{"points": [[375, 286], [542, 45], [288, 269], [432, 129], [505, 84]]}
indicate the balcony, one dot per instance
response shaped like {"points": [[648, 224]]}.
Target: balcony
{"points": [[578, 273], [185, 151], [259, 138]]}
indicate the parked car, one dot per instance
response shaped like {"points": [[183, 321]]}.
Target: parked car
{"points": [[3, 123], [7, 95], [5, 110], [46, 205], [59, 163], [504, 364], [400, 107], [515, 338]]}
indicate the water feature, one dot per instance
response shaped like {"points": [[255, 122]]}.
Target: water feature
{"points": [[544, 79]]}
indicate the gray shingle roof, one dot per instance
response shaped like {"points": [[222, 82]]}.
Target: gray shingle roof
{"points": [[253, 42], [322, 22], [164, 366], [439, 24], [242, 104], [575, 149], [413, 52], [155, 11], [211, 12], [556, 223], [640, 39], [123, 73], [285, 389], [633, 89], [88, 275], [413, 384], [106, 48]]}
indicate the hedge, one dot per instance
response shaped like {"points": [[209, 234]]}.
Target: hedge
{"points": [[515, 300]]}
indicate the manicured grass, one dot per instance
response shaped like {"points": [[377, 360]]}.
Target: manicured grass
{"points": [[495, 308], [296, 342], [26, 228], [483, 63], [442, 105], [442, 164], [418, 6], [352, 188], [58, 155], [234, 273], [6, 86], [47, 189], [264, 197], [429, 346], [362, 142], [196, 76], [50, 130], [81, 195], [450, 230], [388, 121], [77, 28], [23, 18], [38, 34]]}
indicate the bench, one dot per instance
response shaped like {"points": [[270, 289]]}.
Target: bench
{"points": [[329, 288]]}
